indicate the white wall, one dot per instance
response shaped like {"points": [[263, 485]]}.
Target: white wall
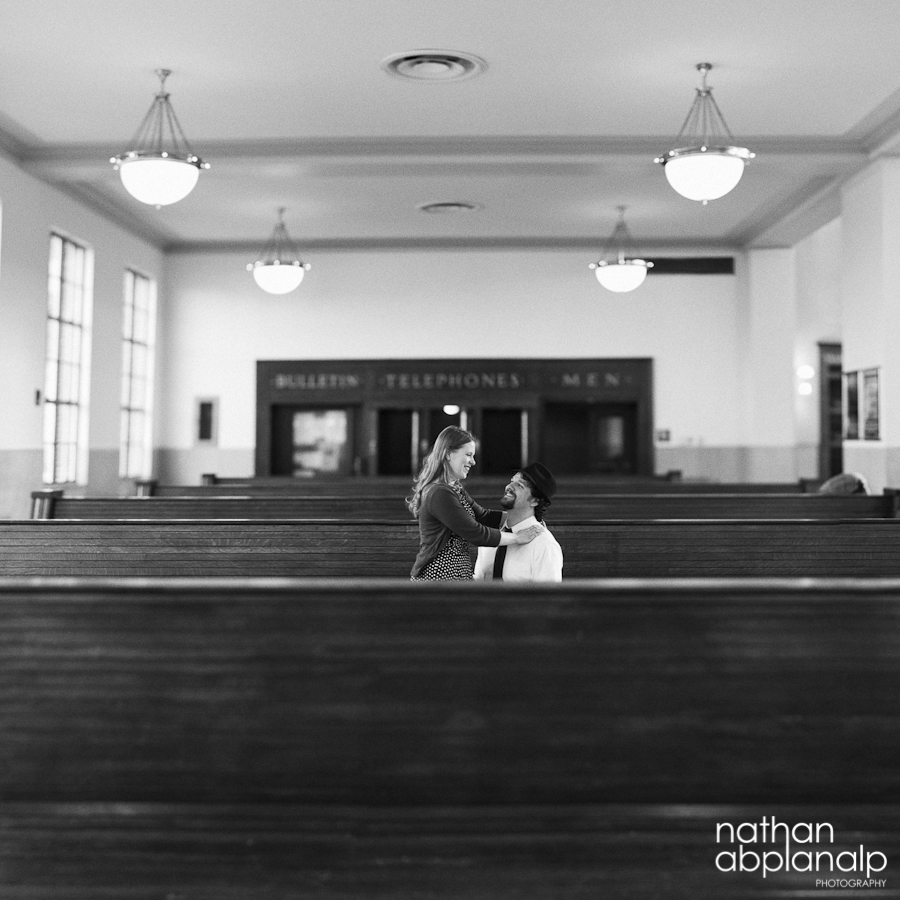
{"points": [[492, 304], [871, 308], [725, 347], [30, 211], [818, 291]]}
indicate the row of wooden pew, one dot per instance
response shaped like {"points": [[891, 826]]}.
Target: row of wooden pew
{"points": [[284, 739], [478, 485], [658, 548], [197, 705], [54, 504]]}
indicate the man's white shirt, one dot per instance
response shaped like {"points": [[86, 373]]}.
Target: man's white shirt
{"points": [[538, 560]]}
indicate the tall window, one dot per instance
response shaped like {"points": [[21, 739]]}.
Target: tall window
{"points": [[137, 356], [65, 394]]}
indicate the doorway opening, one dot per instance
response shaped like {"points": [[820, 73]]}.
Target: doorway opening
{"points": [[591, 438], [502, 437], [397, 451], [312, 442]]}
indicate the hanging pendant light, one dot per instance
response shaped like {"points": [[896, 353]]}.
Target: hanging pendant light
{"points": [[705, 165], [160, 168], [621, 269], [278, 269]]}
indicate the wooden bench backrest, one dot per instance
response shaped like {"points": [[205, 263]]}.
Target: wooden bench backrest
{"points": [[375, 549], [608, 506], [490, 487], [399, 694]]}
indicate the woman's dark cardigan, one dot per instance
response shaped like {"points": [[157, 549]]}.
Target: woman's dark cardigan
{"points": [[441, 514]]}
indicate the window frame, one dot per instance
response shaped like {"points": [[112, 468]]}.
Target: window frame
{"points": [[137, 375], [67, 360]]}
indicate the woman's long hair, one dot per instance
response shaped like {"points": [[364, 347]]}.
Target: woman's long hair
{"points": [[434, 466]]}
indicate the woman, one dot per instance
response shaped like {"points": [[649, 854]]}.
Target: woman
{"points": [[449, 519]]}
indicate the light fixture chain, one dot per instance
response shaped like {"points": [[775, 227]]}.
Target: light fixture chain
{"points": [[720, 118], [704, 121], [161, 106], [620, 244], [145, 132], [181, 142], [160, 125], [280, 247], [691, 120]]}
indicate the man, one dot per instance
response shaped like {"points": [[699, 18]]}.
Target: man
{"points": [[526, 498]]}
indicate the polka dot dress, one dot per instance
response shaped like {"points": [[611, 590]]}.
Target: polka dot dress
{"points": [[453, 563]]}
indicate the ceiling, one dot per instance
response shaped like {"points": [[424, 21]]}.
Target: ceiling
{"points": [[289, 103]]}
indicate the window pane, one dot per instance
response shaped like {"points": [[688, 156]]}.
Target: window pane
{"points": [[53, 292], [63, 420], [139, 360], [70, 343], [136, 357], [52, 340], [56, 249], [73, 264], [68, 383], [65, 305], [50, 371], [138, 394], [70, 308], [128, 322], [140, 326], [136, 431], [49, 422], [126, 393], [142, 293]]}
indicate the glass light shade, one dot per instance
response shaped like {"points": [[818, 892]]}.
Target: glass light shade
{"points": [[158, 180], [704, 174], [279, 278], [623, 276]]}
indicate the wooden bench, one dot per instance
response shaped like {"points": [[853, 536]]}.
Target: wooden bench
{"points": [[478, 486], [54, 505], [285, 738], [379, 549], [210, 478]]}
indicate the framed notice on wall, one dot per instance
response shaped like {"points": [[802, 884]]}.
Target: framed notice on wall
{"points": [[862, 406], [870, 405]]}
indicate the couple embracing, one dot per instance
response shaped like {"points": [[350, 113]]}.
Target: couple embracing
{"points": [[513, 542]]}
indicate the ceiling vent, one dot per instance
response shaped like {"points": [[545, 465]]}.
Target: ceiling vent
{"points": [[434, 65]]}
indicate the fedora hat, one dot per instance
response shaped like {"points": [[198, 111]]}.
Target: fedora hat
{"points": [[541, 478]]}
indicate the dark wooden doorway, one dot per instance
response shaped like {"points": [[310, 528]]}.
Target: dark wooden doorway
{"points": [[500, 439], [831, 421], [395, 442], [591, 438]]}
